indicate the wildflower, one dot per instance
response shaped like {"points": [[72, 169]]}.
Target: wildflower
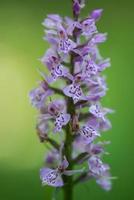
{"points": [[39, 95], [68, 100], [88, 133], [96, 166], [53, 177]]}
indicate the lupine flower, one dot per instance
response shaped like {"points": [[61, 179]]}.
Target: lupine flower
{"points": [[68, 100]]}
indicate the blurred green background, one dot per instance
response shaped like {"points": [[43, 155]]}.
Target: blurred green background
{"points": [[21, 44]]}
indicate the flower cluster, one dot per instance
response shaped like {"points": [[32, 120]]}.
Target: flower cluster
{"points": [[68, 99]]}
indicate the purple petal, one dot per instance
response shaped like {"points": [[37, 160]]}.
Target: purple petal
{"points": [[52, 158], [104, 64], [96, 166], [88, 27], [52, 20], [71, 25], [75, 92], [39, 95], [96, 111], [55, 17], [105, 125], [96, 14], [64, 163], [88, 133], [77, 6], [59, 71], [61, 121], [99, 38], [66, 45], [95, 149], [105, 183], [89, 67], [51, 177]]}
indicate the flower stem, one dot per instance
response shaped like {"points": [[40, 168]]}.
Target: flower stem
{"points": [[68, 180]]}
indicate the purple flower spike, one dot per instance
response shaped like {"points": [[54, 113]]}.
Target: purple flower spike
{"points": [[68, 100]]}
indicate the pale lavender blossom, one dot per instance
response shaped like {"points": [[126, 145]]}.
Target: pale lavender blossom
{"points": [[39, 95], [53, 177], [105, 181], [96, 166], [56, 111], [53, 62], [88, 133], [88, 27], [74, 90]]}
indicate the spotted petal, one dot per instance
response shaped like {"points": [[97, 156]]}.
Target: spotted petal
{"points": [[58, 71], [51, 177], [75, 92], [61, 120], [96, 166], [88, 133]]}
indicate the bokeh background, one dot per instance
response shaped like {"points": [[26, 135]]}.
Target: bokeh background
{"points": [[21, 44]]}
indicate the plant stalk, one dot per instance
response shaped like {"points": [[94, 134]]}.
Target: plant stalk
{"points": [[68, 180]]}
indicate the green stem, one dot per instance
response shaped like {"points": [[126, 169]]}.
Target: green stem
{"points": [[68, 180], [53, 143]]}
